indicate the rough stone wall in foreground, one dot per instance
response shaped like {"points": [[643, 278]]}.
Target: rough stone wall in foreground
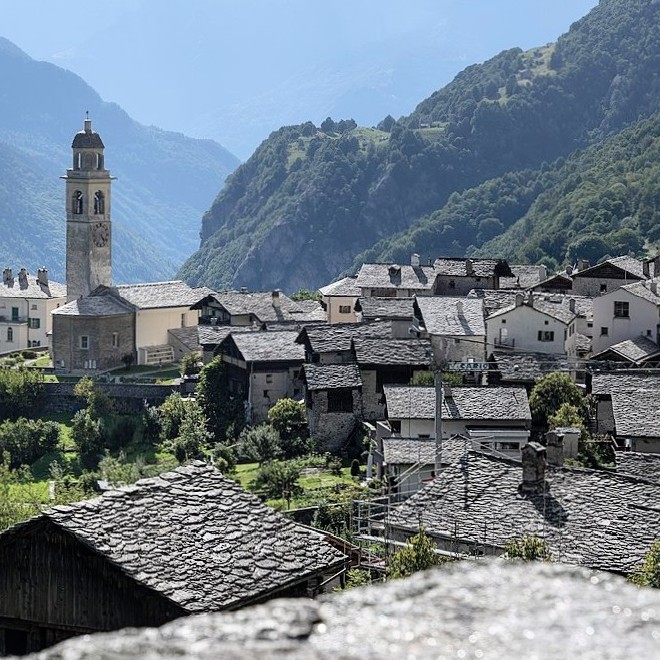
{"points": [[483, 610]]}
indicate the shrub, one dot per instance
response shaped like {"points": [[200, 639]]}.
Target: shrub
{"points": [[277, 479], [418, 555], [259, 443], [648, 573], [527, 548]]}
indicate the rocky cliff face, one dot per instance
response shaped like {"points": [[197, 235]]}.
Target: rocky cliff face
{"points": [[484, 610]]}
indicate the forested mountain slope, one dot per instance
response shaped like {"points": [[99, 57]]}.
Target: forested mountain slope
{"points": [[308, 201], [164, 180]]}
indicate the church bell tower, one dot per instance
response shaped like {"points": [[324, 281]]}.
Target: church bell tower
{"points": [[88, 227]]}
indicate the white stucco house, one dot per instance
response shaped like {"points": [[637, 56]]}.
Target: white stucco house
{"points": [[628, 312]]}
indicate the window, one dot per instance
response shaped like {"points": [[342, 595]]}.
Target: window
{"points": [[10, 334], [395, 425], [14, 313], [99, 203], [503, 320], [265, 394], [344, 309], [183, 320], [604, 331], [115, 339], [269, 378], [621, 309], [546, 335], [35, 324], [452, 284], [603, 288], [340, 401], [648, 333], [33, 307], [77, 203], [590, 325], [84, 342]]}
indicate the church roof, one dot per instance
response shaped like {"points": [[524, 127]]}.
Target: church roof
{"points": [[87, 140], [152, 295], [94, 306]]}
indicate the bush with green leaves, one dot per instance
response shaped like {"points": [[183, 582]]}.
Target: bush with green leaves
{"points": [[191, 363], [25, 441], [21, 392], [193, 438], [259, 443], [550, 393], [223, 409], [648, 572], [277, 479], [418, 555], [171, 412], [334, 518], [88, 434], [289, 418], [96, 400], [119, 471], [527, 548]]}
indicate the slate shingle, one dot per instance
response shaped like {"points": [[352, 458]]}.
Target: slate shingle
{"points": [[332, 376], [409, 402], [277, 346], [197, 537], [159, 294], [396, 276], [408, 352], [588, 517], [448, 316], [337, 337], [486, 403]]}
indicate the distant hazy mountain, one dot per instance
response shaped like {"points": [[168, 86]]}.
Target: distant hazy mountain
{"points": [[164, 180], [466, 165], [234, 70]]}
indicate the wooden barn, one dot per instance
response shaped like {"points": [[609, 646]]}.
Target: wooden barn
{"points": [[188, 541]]}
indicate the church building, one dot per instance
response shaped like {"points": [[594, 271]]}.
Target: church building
{"points": [[104, 326]]}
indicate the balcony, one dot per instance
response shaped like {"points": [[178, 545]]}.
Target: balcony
{"points": [[14, 320], [505, 342]]}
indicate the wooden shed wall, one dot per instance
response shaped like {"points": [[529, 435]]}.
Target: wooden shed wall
{"points": [[55, 585]]}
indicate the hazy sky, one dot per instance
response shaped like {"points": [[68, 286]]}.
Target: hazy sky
{"points": [[234, 70]]}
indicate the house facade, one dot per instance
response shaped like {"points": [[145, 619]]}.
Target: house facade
{"points": [[339, 299], [26, 303]]}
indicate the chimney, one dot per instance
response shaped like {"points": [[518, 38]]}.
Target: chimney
{"points": [[469, 269], [42, 276], [530, 298], [583, 264], [555, 447], [533, 464], [519, 299], [569, 270], [446, 390], [459, 308], [570, 442], [23, 278], [276, 298], [7, 276], [571, 305], [414, 260], [645, 269], [543, 273], [654, 287], [88, 125]]}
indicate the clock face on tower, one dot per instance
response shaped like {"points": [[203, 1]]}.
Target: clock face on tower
{"points": [[101, 234]]}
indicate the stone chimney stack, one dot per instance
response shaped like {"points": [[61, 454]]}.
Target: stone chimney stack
{"points": [[555, 447], [42, 276], [7, 276], [543, 273], [533, 468], [276, 299], [414, 260], [469, 267], [459, 308], [571, 305], [23, 278], [583, 264], [645, 269], [520, 298], [530, 299]]}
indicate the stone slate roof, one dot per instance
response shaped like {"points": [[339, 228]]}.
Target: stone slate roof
{"points": [[151, 295], [332, 376], [458, 267], [260, 305], [485, 609], [187, 336], [344, 288], [553, 305], [643, 290], [310, 311], [386, 308], [214, 335], [407, 451], [638, 464], [582, 343], [559, 281], [524, 276], [494, 299], [487, 403], [196, 537], [594, 518], [276, 346], [100, 305], [636, 414], [441, 316], [410, 352], [634, 350], [633, 267], [604, 384], [405, 402], [526, 367], [31, 288], [338, 336], [396, 276]]}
